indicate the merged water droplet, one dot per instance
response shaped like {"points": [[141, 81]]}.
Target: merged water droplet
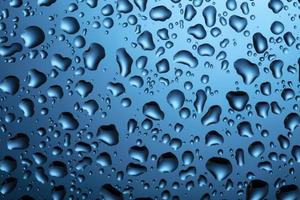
{"points": [[247, 70], [33, 36], [212, 116], [93, 56], [152, 110], [125, 62], [257, 189], [237, 99], [288, 192], [108, 134], [67, 121], [18, 142], [145, 40], [219, 167]]}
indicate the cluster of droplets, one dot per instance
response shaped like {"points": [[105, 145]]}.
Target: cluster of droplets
{"points": [[140, 99]]}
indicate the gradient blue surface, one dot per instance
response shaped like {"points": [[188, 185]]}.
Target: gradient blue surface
{"points": [[82, 132]]}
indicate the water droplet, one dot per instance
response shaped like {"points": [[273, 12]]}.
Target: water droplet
{"points": [[108, 134], [33, 36], [167, 163], [160, 13], [219, 167]]}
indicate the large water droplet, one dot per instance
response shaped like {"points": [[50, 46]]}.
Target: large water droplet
{"points": [[219, 167]]}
